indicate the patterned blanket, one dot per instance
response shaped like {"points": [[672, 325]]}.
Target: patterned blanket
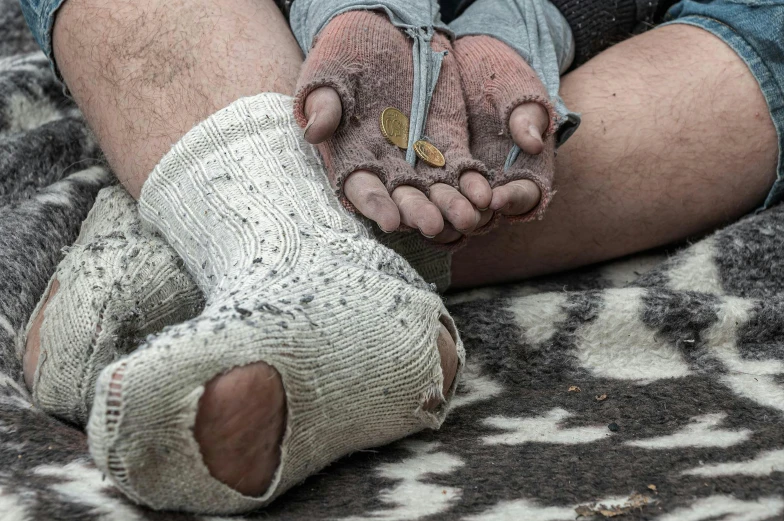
{"points": [[649, 388]]}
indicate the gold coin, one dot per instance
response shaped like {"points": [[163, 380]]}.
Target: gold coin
{"points": [[429, 154], [394, 127]]}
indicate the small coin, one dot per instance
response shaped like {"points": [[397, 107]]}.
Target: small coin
{"points": [[429, 154], [394, 127]]}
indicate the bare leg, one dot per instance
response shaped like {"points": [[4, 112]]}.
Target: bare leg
{"points": [[676, 140], [144, 73]]}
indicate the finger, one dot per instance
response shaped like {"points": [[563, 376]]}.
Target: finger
{"points": [[487, 215], [417, 211], [369, 195], [323, 110], [449, 234], [527, 124], [454, 207], [475, 187], [516, 197]]}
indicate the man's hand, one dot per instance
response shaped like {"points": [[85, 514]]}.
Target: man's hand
{"points": [[507, 105], [359, 65]]}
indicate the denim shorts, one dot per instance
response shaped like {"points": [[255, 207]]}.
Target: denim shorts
{"points": [[754, 29]]}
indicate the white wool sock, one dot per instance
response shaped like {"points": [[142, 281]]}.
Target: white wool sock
{"points": [[118, 283], [291, 279]]}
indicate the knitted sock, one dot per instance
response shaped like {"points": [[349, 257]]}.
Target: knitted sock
{"points": [[495, 81], [32, 235], [368, 61], [290, 279], [117, 284]]}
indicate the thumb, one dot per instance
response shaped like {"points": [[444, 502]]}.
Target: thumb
{"points": [[324, 111], [527, 124]]}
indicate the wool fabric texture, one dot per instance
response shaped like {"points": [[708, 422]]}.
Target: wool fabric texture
{"points": [[290, 279], [121, 282], [118, 283], [495, 81], [368, 61]]}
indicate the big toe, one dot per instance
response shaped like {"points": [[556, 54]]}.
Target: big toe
{"points": [[239, 427]]}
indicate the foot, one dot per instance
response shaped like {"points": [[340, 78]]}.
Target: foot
{"points": [[327, 332], [239, 439], [118, 283]]}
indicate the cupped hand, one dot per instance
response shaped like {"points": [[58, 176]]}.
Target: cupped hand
{"points": [[360, 65]]}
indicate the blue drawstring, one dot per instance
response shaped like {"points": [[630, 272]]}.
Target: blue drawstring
{"points": [[427, 68]]}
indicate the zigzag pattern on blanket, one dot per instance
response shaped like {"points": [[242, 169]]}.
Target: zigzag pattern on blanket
{"points": [[43, 136], [682, 356]]}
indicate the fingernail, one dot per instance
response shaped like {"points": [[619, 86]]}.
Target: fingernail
{"points": [[483, 209], [535, 133], [426, 235], [310, 123], [386, 231]]}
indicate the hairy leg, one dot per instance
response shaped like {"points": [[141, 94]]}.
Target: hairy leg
{"points": [[676, 140], [144, 73]]}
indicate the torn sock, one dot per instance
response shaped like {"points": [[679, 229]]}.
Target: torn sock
{"points": [[290, 279]]}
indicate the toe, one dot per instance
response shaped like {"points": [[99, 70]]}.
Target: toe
{"points": [[447, 349], [240, 437], [33, 344]]}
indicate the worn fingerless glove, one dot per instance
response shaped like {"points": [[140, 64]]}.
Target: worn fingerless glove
{"points": [[495, 81], [538, 32], [512, 52], [368, 61]]}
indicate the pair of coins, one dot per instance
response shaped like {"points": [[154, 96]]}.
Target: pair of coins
{"points": [[394, 127]]}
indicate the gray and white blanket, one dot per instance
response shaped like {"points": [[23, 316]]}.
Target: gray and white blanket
{"points": [[649, 388]]}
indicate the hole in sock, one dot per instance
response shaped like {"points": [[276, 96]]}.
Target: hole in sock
{"points": [[113, 411], [240, 438], [33, 341]]}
